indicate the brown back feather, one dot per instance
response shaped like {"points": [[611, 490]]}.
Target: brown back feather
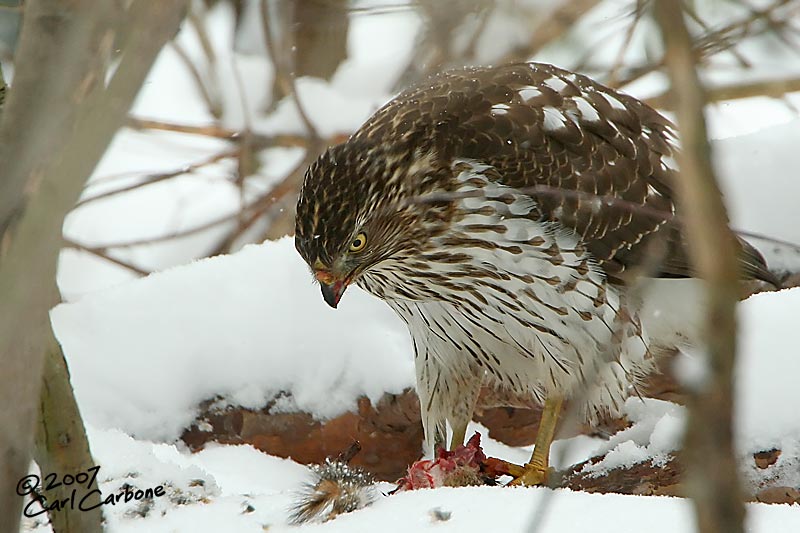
{"points": [[539, 125]]}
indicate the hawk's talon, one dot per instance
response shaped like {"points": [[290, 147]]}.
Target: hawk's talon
{"points": [[532, 476], [527, 475]]}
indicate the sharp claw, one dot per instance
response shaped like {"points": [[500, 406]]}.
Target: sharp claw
{"points": [[531, 476], [527, 475], [494, 467]]}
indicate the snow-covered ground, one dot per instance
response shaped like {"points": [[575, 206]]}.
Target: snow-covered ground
{"points": [[144, 353]]}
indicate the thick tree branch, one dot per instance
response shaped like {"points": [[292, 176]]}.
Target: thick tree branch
{"points": [[61, 443], [58, 121], [712, 479]]}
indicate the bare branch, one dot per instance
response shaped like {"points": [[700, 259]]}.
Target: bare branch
{"points": [[725, 38], [103, 254], [259, 140], [712, 471], [211, 130], [626, 43], [283, 188], [156, 178], [284, 74], [213, 104], [768, 88], [559, 22]]}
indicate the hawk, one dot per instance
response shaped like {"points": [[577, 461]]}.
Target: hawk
{"points": [[520, 220]]}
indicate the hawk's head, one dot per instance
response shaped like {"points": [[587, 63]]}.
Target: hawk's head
{"points": [[359, 206]]}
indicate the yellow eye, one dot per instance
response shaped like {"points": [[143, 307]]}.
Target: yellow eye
{"points": [[359, 242]]}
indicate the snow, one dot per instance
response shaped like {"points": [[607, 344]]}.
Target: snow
{"points": [[767, 372], [237, 305], [244, 328], [657, 430], [206, 492], [760, 169]]}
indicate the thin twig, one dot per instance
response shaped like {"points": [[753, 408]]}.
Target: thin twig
{"points": [[214, 107], [558, 23], [263, 200], [284, 74], [246, 155], [276, 193], [637, 17], [717, 41], [766, 238], [156, 178], [202, 34], [231, 217], [260, 141], [103, 254], [211, 130], [257, 206], [769, 88], [689, 10]]}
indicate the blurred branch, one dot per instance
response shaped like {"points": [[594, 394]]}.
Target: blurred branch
{"points": [[280, 190], [102, 253], [436, 45], [769, 88], [712, 471], [211, 130], [213, 104], [726, 38], [197, 21], [257, 204], [758, 22], [692, 13], [638, 14], [156, 178], [261, 141], [558, 23], [3, 88], [248, 215], [284, 73]]}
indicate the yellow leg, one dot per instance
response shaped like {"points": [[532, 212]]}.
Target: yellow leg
{"points": [[459, 434], [535, 472]]}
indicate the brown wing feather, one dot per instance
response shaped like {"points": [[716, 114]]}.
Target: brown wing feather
{"points": [[543, 126]]}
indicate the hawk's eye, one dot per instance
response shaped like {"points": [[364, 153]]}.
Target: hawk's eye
{"points": [[359, 242]]}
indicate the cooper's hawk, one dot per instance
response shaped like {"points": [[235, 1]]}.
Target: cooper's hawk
{"points": [[519, 220]]}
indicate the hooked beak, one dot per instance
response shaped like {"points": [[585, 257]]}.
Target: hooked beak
{"points": [[332, 288]]}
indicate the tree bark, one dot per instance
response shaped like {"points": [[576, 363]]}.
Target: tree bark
{"points": [[61, 444], [59, 119], [712, 472]]}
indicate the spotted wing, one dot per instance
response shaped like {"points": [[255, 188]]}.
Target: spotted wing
{"points": [[597, 161]]}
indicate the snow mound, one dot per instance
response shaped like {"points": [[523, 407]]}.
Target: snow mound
{"points": [[767, 371], [657, 430], [245, 327]]}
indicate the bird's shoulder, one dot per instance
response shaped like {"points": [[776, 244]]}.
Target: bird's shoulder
{"points": [[597, 161]]}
